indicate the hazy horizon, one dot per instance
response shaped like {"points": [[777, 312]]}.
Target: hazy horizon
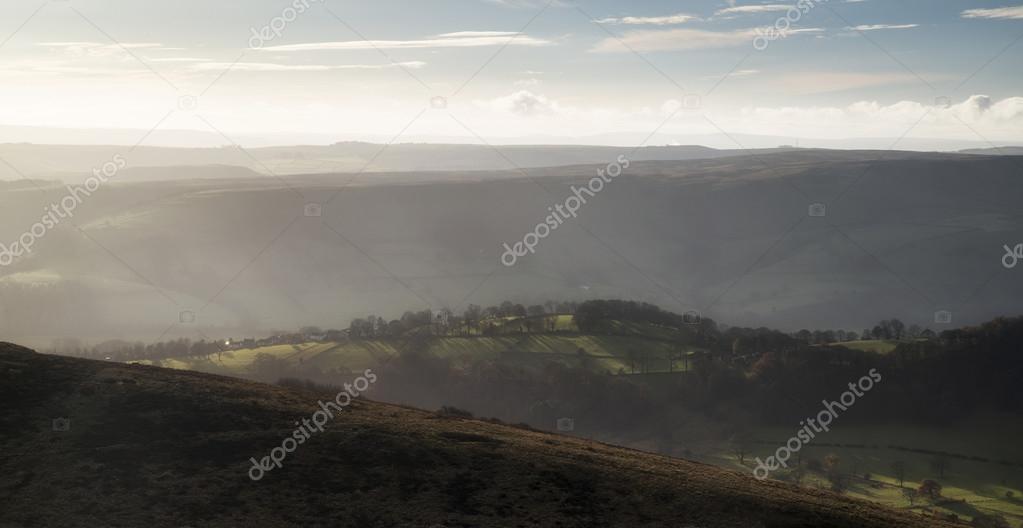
{"points": [[186, 138]]}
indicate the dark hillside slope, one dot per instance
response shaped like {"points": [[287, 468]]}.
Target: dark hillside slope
{"points": [[154, 447]]}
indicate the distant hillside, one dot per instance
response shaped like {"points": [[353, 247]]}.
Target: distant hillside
{"points": [[160, 448], [905, 235], [632, 348], [26, 184], [998, 151], [75, 162]]}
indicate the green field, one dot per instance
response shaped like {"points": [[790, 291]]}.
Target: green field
{"points": [[617, 354], [969, 486], [877, 346]]}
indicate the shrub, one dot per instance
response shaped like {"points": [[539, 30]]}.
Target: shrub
{"points": [[453, 412], [930, 488], [982, 520], [306, 385]]}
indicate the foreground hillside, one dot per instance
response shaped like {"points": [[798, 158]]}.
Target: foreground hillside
{"points": [[155, 447]]}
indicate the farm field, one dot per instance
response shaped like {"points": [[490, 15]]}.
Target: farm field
{"points": [[616, 354], [969, 487], [878, 346]]}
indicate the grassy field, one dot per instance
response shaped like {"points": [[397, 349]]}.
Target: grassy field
{"points": [[606, 353], [639, 349], [878, 346], [969, 486], [237, 361]]}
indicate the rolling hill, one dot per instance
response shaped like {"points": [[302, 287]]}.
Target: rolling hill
{"points": [[905, 235], [75, 162], [157, 447], [632, 348]]}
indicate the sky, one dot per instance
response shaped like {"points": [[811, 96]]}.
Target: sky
{"points": [[515, 71]]}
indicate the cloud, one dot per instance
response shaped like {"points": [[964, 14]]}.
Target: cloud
{"points": [[976, 111], [742, 10], [524, 103], [530, 4], [875, 27], [470, 34], [525, 112], [674, 39], [805, 30], [98, 49], [100, 45], [62, 67], [461, 39], [737, 73], [651, 21], [272, 67], [1009, 13], [683, 39], [177, 59]]}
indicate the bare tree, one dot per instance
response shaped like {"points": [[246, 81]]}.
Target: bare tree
{"points": [[740, 444], [940, 463], [899, 471]]}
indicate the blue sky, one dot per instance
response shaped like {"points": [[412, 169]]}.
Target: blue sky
{"points": [[519, 70]]}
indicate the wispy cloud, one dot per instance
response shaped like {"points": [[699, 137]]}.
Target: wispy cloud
{"points": [[472, 34], [177, 59], [30, 67], [273, 67], [762, 8], [737, 73], [674, 39], [86, 44], [667, 20], [1010, 12], [683, 39], [876, 27], [98, 49], [529, 4], [461, 39]]}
